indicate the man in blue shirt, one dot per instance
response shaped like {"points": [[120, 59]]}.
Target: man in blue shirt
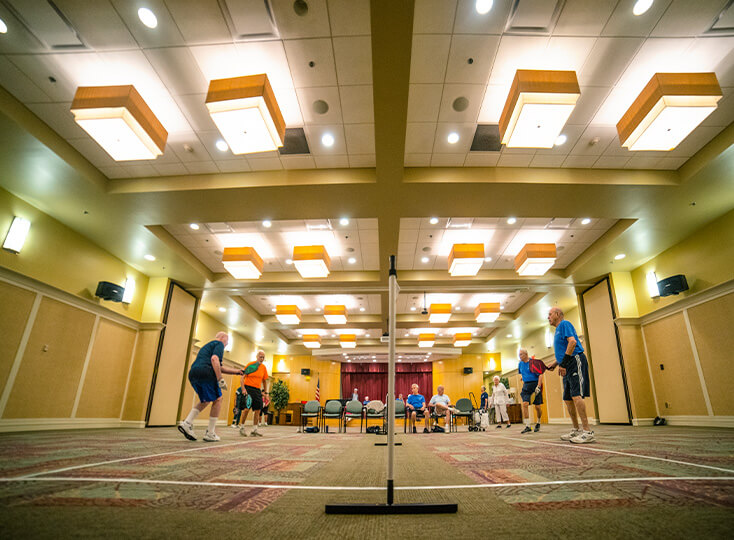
{"points": [[416, 404], [532, 384], [574, 368]]}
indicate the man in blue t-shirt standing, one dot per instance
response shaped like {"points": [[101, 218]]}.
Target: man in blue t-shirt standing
{"points": [[574, 368], [416, 404], [532, 384], [205, 377]]}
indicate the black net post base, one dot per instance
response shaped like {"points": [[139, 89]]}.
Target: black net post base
{"points": [[385, 509]]}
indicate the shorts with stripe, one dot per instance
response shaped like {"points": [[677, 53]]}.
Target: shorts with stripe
{"points": [[576, 379]]}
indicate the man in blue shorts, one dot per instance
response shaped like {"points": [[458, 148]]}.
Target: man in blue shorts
{"points": [[532, 384], [205, 377], [416, 404], [574, 368]]}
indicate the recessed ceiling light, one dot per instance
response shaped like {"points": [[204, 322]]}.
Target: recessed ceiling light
{"points": [[223, 309], [289, 261], [412, 308], [194, 226], [318, 309], [458, 308], [3, 27], [149, 257], [267, 224], [222, 146], [487, 259], [407, 335], [374, 360], [327, 139], [147, 17], [344, 221], [619, 256], [366, 335], [424, 260], [585, 221], [453, 137], [483, 6], [511, 220], [641, 6], [509, 335], [433, 220], [560, 140], [274, 309], [349, 361], [352, 260]]}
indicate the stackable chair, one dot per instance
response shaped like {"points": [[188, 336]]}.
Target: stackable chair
{"points": [[353, 409], [311, 409], [333, 409], [465, 409], [400, 413], [374, 415]]}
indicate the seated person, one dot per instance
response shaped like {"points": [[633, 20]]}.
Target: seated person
{"points": [[441, 404], [416, 404]]}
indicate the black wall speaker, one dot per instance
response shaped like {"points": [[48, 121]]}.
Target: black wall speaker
{"points": [[109, 291], [305, 371], [672, 285], [468, 370]]}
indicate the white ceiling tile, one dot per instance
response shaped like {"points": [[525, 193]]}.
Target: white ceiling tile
{"points": [[357, 104], [724, 113], [178, 70], [428, 58], [314, 134], [466, 135], [166, 34], [289, 107], [313, 23], [58, 116], [671, 163], [200, 21], [493, 103], [482, 159], [579, 162], [116, 172], [349, 17], [359, 161], [419, 138], [572, 133], [38, 69], [330, 95], [642, 162], [517, 52], [424, 101], [332, 162], [588, 103], [603, 135], [696, 140], [297, 162], [94, 152], [468, 21], [451, 92], [22, 40], [625, 23], [514, 160], [141, 170], [98, 24], [540, 160], [687, 18], [447, 160], [201, 167], [615, 149], [170, 169], [470, 58], [417, 160], [193, 107], [584, 18], [610, 162], [178, 142], [607, 60], [17, 83], [265, 164], [301, 53], [353, 57], [209, 139], [433, 16], [234, 165]]}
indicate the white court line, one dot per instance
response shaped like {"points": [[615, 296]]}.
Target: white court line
{"points": [[209, 447], [368, 488], [587, 447]]}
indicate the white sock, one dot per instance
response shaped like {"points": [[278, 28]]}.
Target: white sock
{"points": [[192, 416], [254, 427], [527, 422], [212, 424]]}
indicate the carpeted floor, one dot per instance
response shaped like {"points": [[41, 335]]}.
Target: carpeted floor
{"points": [[153, 483]]}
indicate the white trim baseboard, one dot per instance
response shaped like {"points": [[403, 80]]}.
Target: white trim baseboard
{"points": [[44, 424], [704, 421], [567, 421], [642, 421]]}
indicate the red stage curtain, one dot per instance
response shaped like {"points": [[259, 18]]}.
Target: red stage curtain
{"points": [[371, 379]]}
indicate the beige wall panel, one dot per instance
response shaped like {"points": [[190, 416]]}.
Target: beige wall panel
{"points": [[66, 331], [189, 396], [138, 389], [554, 395], [15, 307], [638, 375], [104, 383], [678, 384], [711, 324]]}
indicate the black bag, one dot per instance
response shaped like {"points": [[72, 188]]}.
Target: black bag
{"points": [[312, 429], [373, 429]]}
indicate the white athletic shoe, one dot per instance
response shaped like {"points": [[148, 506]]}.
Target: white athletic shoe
{"points": [[243, 431], [210, 437], [584, 437], [454, 410], [571, 435], [255, 433], [187, 430], [235, 426]]}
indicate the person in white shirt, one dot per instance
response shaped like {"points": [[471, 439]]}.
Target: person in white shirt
{"points": [[441, 404], [500, 399], [355, 395]]}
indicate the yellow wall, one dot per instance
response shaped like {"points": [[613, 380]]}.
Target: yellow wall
{"points": [[56, 255], [450, 373]]}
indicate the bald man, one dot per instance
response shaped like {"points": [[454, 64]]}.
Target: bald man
{"points": [[205, 377], [255, 377], [574, 368]]}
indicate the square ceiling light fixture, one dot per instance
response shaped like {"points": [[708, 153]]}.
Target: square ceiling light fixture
{"points": [[311, 341], [439, 313], [311, 261], [535, 259], [118, 119], [335, 314], [348, 341], [242, 262], [246, 113], [537, 107], [466, 259], [487, 312], [668, 109], [462, 339], [288, 314], [426, 340]]}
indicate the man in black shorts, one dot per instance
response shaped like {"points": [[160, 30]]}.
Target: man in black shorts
{"points": [[532, 383], [256, 374]]}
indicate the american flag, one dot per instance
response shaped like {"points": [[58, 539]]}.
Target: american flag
{"points": [[318, 383]]}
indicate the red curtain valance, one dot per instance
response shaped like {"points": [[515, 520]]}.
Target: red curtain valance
{"points": [[381, 367]]}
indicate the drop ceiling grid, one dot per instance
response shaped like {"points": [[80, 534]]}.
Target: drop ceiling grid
{"points": [[308, 303], [599, 45]]}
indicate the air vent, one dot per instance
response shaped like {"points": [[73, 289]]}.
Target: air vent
{"points": [[534, 16], [249, 20], [318, 225], [459, 223], [560, 223], [219, 228], [47, 23], [294, 142], [724, 22], [486, 139]]}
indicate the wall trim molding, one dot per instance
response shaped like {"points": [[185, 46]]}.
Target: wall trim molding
{"points": [[44, 424], [638, 422], [567, 421], [701, 420]]}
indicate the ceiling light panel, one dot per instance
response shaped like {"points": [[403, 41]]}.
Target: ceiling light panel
{"points": [[466, 259], [535, 259], [487, 312], [348, 341], [426, 340], [311, 261], [242, 262], [462, 339], [288, 314], [311, 341], [439, 313], [335, 314]]}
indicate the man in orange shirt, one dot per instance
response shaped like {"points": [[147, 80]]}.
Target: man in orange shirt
{"points": [[256, 374]]}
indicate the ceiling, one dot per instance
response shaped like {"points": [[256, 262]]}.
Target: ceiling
{"points": [[390, 73]]}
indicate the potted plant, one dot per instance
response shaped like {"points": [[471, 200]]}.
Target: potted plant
{"points": [[279, 396]]}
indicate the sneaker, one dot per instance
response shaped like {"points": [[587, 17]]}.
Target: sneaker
{"points": [[454, 410], [187, 430], [584, 437], [425, 430], [255, 433], [414, 430], [526, 430], [210, 437], [509, 426], [235, 426], [243, 431], [537, 428], [499, 426], [571, 435]]}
